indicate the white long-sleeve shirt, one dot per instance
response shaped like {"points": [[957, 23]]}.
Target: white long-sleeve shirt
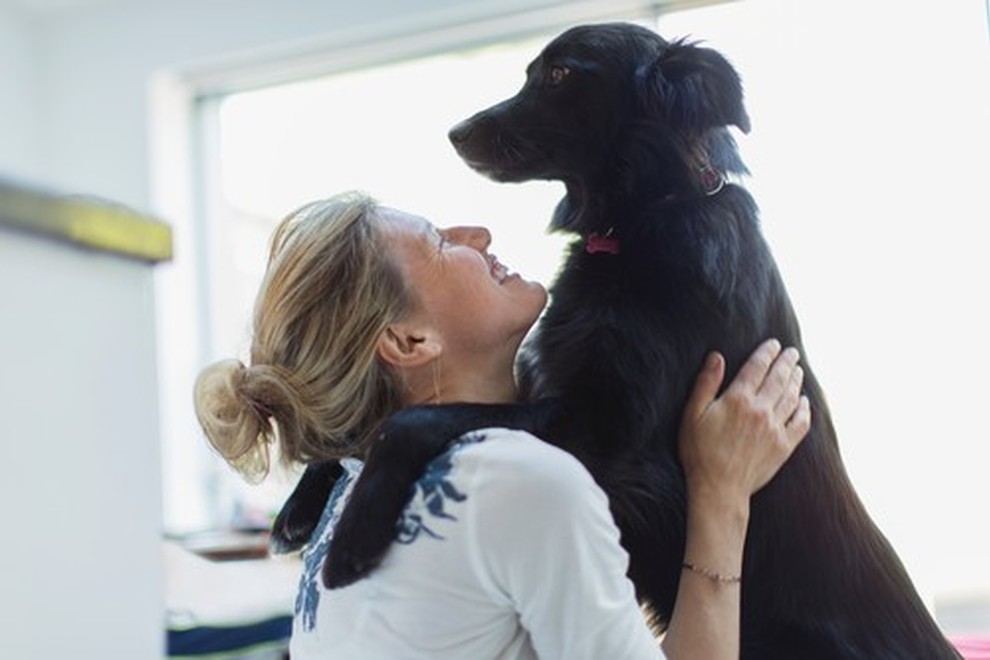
{"points": [[507, 551]]}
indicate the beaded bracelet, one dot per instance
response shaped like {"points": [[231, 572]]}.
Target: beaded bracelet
{"points": [[712, 575]]}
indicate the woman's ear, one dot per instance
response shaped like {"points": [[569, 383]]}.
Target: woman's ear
{"points": [[404, 346]]}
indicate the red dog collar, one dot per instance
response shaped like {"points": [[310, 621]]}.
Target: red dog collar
{"points": [[596, 243]]}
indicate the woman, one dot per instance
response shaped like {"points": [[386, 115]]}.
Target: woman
{"points": [[507, 549]]}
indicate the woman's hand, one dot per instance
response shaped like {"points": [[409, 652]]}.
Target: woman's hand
{"points": [[731, 446]]}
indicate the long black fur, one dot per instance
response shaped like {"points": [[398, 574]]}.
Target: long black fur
{"points": [[634, 125]]}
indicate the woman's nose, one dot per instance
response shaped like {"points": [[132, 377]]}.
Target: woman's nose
{"points": [[477, 237]]}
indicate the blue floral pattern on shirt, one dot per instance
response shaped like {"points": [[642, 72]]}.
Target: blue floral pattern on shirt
{"points": [[430, 496], [308, 595], [431, 493]]}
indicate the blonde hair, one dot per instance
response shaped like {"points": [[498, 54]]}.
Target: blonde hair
{"points": [[314, 383]]}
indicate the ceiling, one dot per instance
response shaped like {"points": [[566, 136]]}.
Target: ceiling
{"points": [[48, 7]]}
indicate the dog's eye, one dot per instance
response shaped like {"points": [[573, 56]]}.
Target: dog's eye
{"points": [[558, 73]]}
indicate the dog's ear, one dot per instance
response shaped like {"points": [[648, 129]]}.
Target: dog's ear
{"points": [[694, 88]]}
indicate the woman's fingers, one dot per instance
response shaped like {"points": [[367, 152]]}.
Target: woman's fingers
{"points": [[773, 376], [800, 422], [705, 386], [771, 382], [775, 384], [787, 402], [736, 442], [754, 371]]}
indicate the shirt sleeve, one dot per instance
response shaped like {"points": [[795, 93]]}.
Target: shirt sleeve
{"points": [[549, 546]]}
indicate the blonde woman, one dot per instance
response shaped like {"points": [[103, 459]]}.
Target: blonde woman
{"points": [[509, 550]]}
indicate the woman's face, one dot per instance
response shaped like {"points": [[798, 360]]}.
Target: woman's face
{"points": [[475, 303]]}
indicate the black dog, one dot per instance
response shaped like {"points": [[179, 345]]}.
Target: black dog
{"points": [[669, 265]]}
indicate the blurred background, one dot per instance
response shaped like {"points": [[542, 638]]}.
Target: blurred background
{"points": [[871, 133]]}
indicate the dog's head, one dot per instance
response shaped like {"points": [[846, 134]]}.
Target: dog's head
{"points": [[599, 102]]}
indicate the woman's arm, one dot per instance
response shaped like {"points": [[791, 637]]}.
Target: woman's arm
{"points": [[731, 446]]}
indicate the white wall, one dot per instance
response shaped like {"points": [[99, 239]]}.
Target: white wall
{"points": [[19, 86], [81, 485]]}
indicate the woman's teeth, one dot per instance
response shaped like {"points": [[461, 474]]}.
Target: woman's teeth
{"points": [[498, 271]]}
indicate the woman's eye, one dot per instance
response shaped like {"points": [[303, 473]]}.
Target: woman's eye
{"points": [[558, 73]]}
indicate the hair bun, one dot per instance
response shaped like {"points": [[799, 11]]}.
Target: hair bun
{"points": [[235, 423]]}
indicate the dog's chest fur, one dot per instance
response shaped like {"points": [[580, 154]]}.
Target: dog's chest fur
{"points": [[677, 274]]}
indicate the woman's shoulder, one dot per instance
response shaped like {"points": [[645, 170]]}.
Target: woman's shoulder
{"points": [[507, 458], [513, 446]]}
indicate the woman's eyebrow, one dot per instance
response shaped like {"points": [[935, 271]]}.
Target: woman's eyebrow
{"points": [[431, 235], [426, 227], [433, 232]]}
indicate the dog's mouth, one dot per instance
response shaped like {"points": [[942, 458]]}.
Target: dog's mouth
{"points": [[502, 173], [485, 167], [498, 156], [480, 166]]}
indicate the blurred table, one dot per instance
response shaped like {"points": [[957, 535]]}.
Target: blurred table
{"points": [[228, 609]]}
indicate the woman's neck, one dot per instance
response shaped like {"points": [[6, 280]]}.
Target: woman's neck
{"points": [[450, 381], [478, 389]]}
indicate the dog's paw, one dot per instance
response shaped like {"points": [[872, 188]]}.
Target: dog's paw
{"points": [[301, 513]]}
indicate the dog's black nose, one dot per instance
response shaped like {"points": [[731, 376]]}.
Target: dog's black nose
{"points": [[462, 132]]}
